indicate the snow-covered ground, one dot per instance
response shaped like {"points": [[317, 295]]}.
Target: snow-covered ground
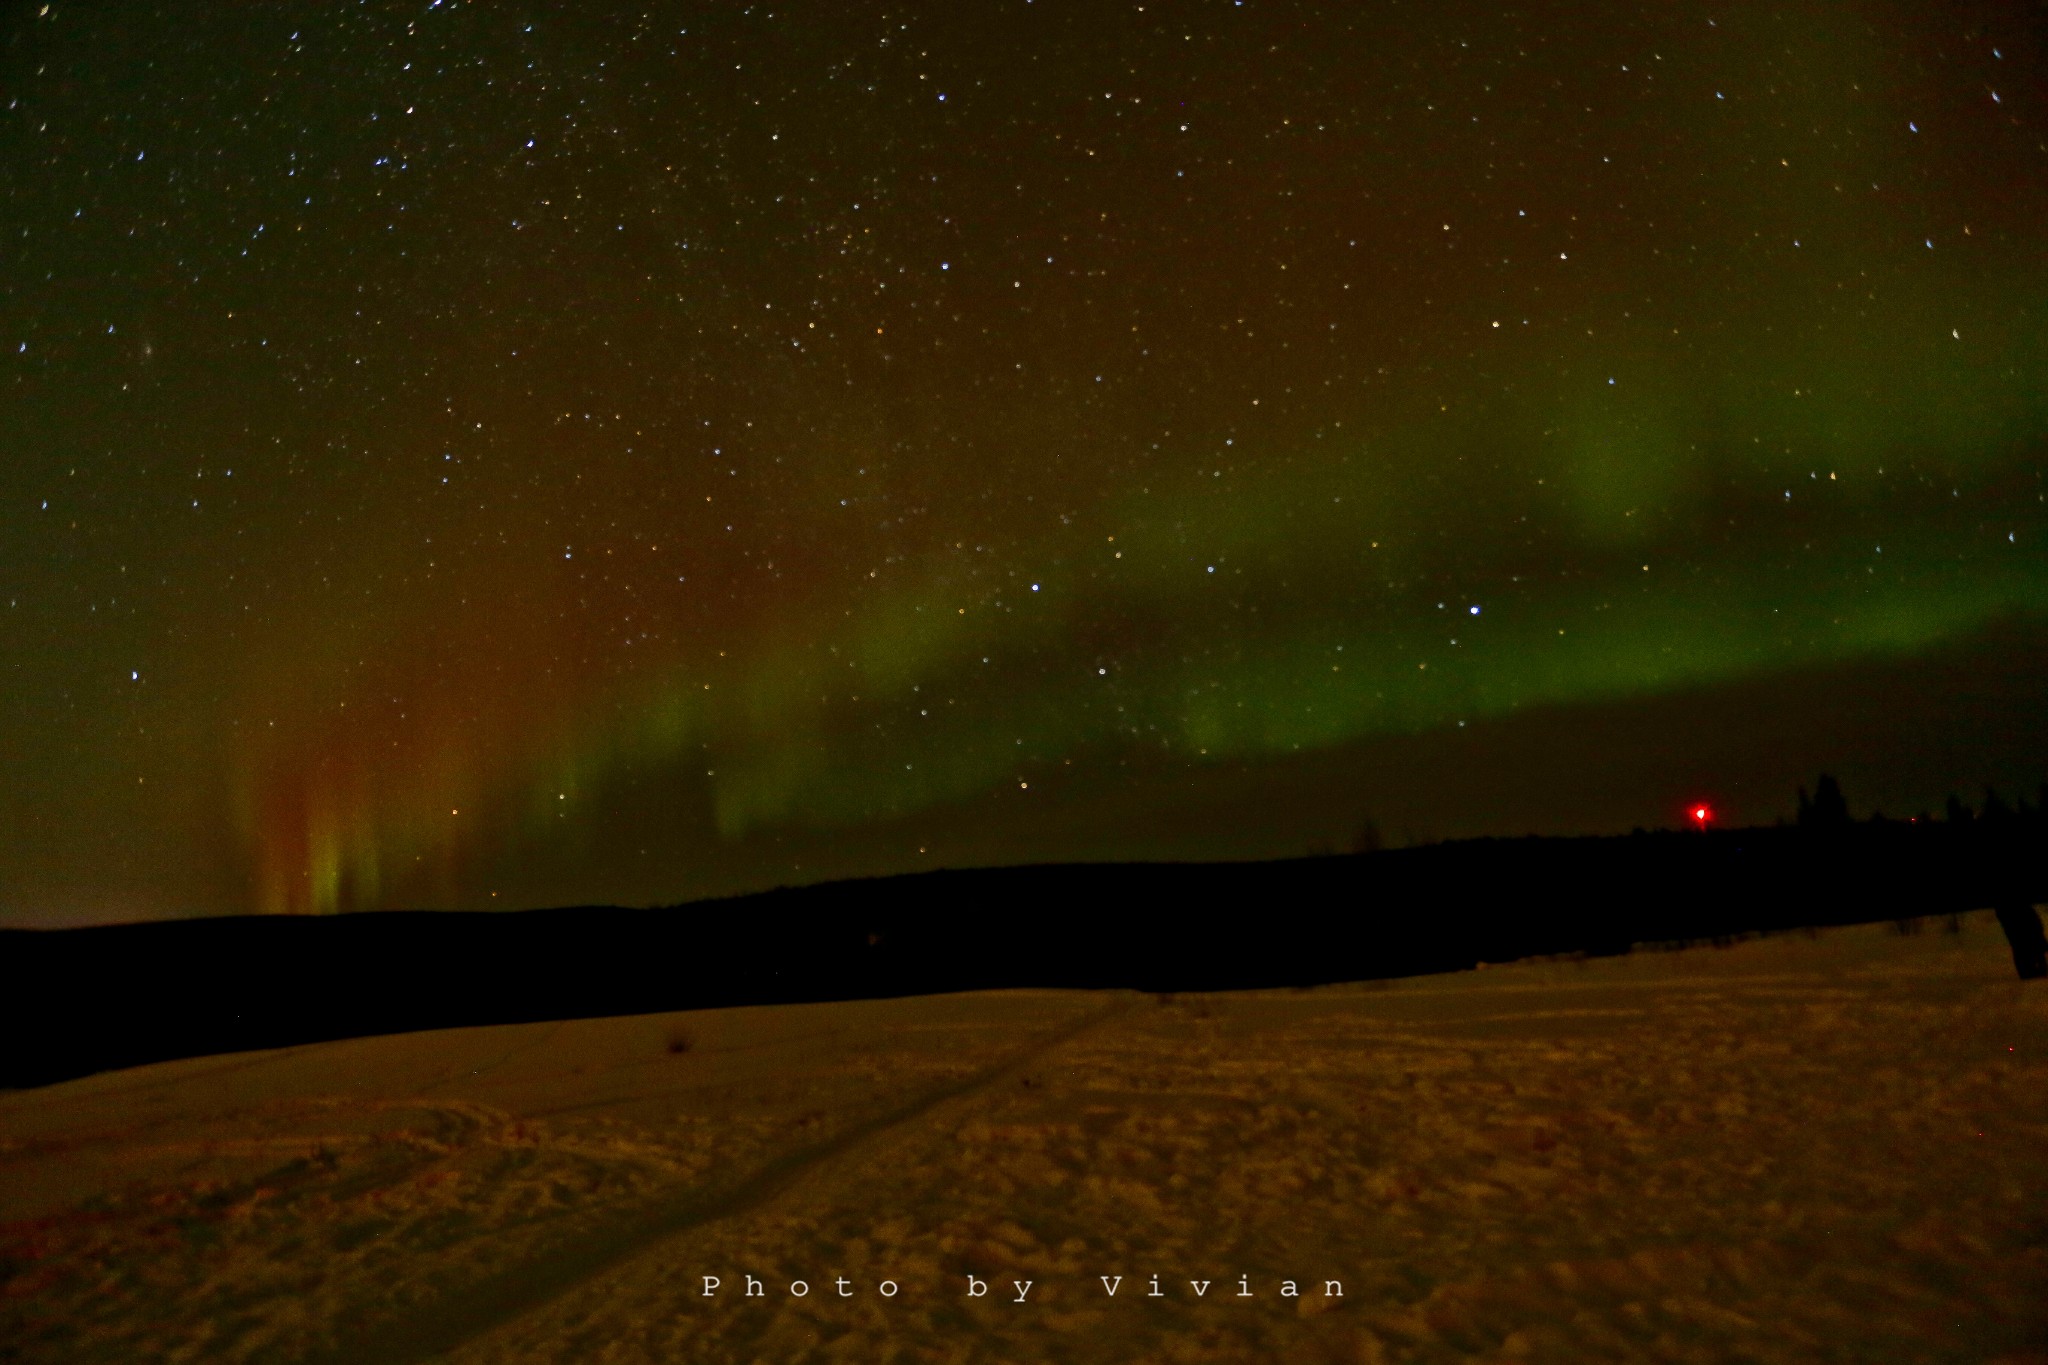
{"points": [[1798, 1149]]}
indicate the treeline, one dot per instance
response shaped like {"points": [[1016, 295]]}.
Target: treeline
{"points": [[1827, 808], [82, 1000]]}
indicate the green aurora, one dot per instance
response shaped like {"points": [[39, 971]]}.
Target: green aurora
{"points": [[686, 428]]}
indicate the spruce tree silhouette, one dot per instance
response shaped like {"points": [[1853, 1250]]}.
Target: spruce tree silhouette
{"points": [[1827, 810], [1957, 813]]}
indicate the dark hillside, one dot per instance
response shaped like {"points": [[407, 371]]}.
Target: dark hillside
{"points": [[83, 1000]]}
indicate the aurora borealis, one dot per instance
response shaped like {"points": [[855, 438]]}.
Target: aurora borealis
{"points": [[476, 455]]}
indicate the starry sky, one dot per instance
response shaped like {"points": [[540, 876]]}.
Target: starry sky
{"points": [[487, 455]]}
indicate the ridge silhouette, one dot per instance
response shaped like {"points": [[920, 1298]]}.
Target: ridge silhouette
{"points": [[77, 1001]]}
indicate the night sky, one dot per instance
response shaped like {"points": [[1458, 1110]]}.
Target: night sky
{"points": [[461, 454]]}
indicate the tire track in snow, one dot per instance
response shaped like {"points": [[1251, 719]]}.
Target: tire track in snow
{"points": [[478, 1309]]}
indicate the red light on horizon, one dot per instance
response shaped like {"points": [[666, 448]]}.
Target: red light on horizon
{"points": [[1701, 814]]}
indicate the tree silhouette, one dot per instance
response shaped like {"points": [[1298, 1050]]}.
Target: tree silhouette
{"points": [[2022, 925], [1826, 809]]}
